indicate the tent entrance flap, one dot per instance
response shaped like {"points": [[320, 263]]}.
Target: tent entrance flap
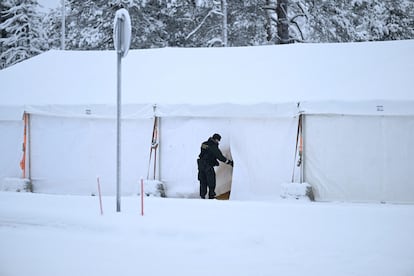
{"points": [[263, 153], [225, 196], [224, 175]]}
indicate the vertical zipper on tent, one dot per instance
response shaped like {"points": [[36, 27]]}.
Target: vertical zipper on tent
{"points": [[298, 147]]}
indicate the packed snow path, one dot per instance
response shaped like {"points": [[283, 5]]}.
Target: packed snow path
{"points": [[52, 235]]}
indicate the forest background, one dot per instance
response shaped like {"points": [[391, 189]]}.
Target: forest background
{"points": [[27, 30]]}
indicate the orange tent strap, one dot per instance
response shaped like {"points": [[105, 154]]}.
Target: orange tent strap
{"points": [[23, 161]]}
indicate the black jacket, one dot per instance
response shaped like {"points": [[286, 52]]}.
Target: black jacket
{"points": [[210, 152]]}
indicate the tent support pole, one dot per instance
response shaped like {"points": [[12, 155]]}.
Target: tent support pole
{"points": [[298, 152], [29, 148], [159, 149], [303, 152], [24, 147], [153, 148], [25, 163], [302, 164]]}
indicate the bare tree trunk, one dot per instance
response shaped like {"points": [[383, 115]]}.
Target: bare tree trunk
{"points": [[225, 29], [271, 19], [282, 21]]}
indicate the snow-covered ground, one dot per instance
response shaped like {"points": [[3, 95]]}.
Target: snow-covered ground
{"points": [[60, 235]]}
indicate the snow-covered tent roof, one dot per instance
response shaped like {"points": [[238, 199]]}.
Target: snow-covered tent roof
{"points": [[356, 78]]}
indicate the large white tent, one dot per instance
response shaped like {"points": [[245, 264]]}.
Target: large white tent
{"points": [[356, 101]]}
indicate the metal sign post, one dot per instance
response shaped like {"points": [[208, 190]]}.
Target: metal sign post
{"points": [[122, 39], [118, 120]]}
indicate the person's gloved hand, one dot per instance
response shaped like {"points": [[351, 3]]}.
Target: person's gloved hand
{"points": [[230, 162]]}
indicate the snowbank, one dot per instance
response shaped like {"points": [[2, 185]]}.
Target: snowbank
{"points": [[66, 235], [15, 184]]}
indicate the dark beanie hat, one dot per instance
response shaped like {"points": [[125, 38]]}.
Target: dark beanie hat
{"points": [[217, 137]]}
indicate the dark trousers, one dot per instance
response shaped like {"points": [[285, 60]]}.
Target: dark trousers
{"points": [[207, 178]]}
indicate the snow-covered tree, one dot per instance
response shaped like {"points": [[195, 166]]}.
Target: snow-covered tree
{"points": [[22, 31], [52, 25], [84, 22], [360, 20], [399, 20], [3, 18], [200, 23], [285, 21], [246, 23], [89, 23]]}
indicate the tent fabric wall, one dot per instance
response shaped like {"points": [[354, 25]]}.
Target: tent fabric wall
{"points": [[369, 165], [364, 87], [180, 141], [398, 137], [228, 110], [11, 112], [11, 142], [236, 75], [80, 150], [359, 158], [263, 152], [97, 111], [259, 147], [376, 107]]}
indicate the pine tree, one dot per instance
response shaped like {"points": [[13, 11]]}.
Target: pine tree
{"points": [[83, 25], [329, 21], [151, 21], [199, 23], [246, 23], [399, 20], [285, 21], [22, 32], [361, 20], [3, 33], [52, 25]]}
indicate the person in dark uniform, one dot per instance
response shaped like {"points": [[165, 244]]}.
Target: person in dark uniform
{"points": [[207, 160]]}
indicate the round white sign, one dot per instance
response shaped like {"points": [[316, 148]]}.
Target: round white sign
{"points": [[122, 31]]}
